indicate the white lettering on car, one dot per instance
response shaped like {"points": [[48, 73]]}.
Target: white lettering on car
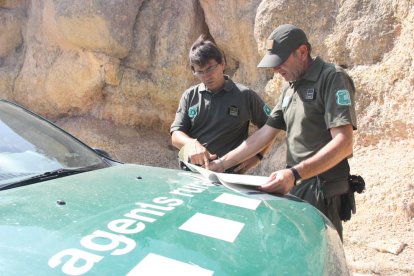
{"points": [[122, 226], [191, 188], [114, 242], [134, 214], [76, 256], [169, 201], [77, 261]]}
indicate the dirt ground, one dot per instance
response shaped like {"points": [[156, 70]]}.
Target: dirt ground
{"points": [[378, 240]]}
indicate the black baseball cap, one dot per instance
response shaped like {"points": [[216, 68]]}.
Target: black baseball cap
{"points": [[281, 42]]}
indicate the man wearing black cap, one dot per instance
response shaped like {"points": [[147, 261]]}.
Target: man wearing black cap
{"points": [[317, 111]]}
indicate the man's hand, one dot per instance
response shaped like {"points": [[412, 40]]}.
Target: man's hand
{"points": [[247, 164], [216, 166], [280, 182], [198, 154]]}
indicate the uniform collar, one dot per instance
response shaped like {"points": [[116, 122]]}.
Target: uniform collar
{"points": [[314, 70], [228, 86], [312, 74]]}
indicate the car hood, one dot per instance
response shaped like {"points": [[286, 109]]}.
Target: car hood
{"points": [[131, 219]]}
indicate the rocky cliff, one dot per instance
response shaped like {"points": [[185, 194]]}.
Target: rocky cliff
{"points": [[125, 62]]}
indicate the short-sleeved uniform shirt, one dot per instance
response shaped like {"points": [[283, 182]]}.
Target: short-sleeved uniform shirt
{"points": [[220, 120], [310, 107]]}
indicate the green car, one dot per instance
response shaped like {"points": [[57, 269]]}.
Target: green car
{"points": [[66, 208]]}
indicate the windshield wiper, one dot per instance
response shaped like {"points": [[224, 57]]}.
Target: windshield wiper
{"points": [[47, 176]]}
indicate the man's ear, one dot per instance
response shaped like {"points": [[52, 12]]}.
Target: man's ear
{"points": [[223, 60], [223, 63], [303, 51]]}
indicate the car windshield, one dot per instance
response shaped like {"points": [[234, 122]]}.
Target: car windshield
{"points": [[31, 146]]}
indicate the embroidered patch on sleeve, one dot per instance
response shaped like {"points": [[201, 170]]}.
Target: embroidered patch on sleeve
{"points": [[343, 97], [192, 111], [267, 109]]}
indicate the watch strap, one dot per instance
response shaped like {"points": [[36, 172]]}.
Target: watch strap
{"points": [[296, 175]]}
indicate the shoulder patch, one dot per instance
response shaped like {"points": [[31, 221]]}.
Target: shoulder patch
{"points": [[267, 109], [343, 97], [192, 111]]}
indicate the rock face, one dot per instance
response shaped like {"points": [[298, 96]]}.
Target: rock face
{"points": [[127, 62]]}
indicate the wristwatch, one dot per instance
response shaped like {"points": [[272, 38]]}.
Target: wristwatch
{"points": [[298, 178]]}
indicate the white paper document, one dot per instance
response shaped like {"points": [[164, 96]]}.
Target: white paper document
{"points": [[241, 183], [228, 178]]}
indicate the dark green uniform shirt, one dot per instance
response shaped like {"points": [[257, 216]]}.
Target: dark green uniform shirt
{"points": [[219, 121], [309, 108]]}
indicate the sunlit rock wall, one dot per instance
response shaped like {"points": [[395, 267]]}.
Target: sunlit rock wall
{"points": [[126, 61]]}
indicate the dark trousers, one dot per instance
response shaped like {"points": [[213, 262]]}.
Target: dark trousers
{"points": [[313, 191]]}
